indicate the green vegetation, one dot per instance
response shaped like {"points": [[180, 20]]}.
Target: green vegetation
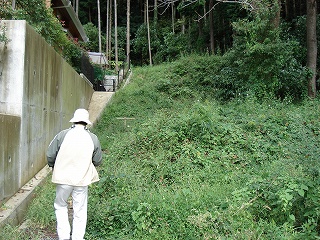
{"points": [[222, 146], [47, 25], [260, 48], [189, 166]]}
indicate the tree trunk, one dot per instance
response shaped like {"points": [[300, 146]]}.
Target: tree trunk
{"points": [[99, 25], [289, 9], [116, 35], [183, 28], [277, 17], [145, 14], [200, 26], [155, 17], [128, 30], [211, 24], [312, 45], [107, 27], [77, 8], [205, 13], [107, 30], [110, 31], [148, 29], [172, 15]]}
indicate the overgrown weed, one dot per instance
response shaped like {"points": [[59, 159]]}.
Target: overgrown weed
{"points": [[191, 167]]}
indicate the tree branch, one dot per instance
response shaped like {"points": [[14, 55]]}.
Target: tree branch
{"points": [[167, 3]]}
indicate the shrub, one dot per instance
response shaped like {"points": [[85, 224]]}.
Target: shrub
{"points": [[197, 168], [140, 43], [259, 64], [47, 25]]}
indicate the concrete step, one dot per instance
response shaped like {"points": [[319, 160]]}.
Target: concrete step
{"points": [[98, 102]]}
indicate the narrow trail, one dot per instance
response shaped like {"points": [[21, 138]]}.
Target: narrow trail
{"points": [[21, 199], [97, 104]]}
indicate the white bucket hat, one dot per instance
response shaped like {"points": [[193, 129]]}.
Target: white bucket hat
{"points": [[81, 115]]}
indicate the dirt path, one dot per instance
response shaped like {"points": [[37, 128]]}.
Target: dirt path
{"points": [[97, 104]]}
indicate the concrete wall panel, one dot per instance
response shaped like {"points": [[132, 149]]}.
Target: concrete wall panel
{"points": [[9, 154], [11, 68], [40, 91]]}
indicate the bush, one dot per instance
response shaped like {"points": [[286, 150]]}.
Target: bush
{"points": [[140, 43], [259, 64], [47, 25], [93, 34], [202, 169], [174, 45], [196, 168]]}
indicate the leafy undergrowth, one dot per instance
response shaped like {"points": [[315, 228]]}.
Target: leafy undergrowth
{"points": [[190, 167], [185, 166]]}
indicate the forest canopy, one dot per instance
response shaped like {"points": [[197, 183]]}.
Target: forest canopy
{"points": [[262, 44]]}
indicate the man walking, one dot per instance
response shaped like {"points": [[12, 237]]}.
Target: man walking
{"points": [[73, 154]]}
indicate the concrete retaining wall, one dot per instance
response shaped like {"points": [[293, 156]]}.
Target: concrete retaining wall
{"points": [[39, 91]]}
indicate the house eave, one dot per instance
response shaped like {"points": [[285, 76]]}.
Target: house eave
{"points": [[65, 9]]}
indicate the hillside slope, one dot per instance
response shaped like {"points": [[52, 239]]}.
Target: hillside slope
{"points": [[179, 164], [189, 167]]}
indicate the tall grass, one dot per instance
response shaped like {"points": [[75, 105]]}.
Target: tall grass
{"points": [[190, 167]]}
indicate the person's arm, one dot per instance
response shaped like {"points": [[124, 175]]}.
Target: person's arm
{"points": [[97, 153], [52, 151], [54, 147]]}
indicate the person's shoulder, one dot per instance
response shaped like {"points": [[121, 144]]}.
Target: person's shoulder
{"points": [[91, 133], [93, 136], [63, 132]]}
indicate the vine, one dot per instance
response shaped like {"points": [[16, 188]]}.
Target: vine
{"points": [[46, 24], [3, 37]]}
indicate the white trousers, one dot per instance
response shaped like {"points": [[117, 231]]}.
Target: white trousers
{"points": [[80, 201]]}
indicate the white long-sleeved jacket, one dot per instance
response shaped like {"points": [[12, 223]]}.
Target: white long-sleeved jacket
{"points": [[74, 153]]}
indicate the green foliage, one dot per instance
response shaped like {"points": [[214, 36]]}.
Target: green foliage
{"points": [[42, 20], [199, 169], [122, 41], [72, 53], [140, 42], [93, 44], [99, 72], [93, 34], [40, 213], [267, 64], [259, 64], [190, 167], [297, 30], [11, 232], [6, 11], [3, 37], [47, 25], [173, 46], [171, 167]]}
